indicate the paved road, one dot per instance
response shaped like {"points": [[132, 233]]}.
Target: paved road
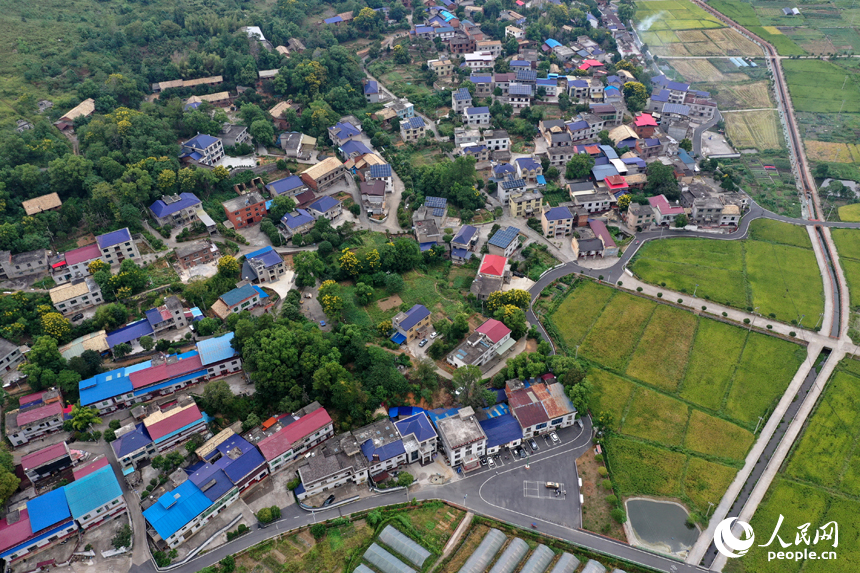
{"points": [[483, 497], [697, 134]]}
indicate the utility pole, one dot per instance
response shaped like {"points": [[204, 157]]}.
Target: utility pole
{"points": [[757, 425], [694, 291]]}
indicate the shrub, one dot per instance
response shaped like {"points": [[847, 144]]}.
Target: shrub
{"points": [[680, 300], [598, 458], [276, 512], [704, 307], [638, 289], [264, 515], [318, 530], [293, 484], [602, 471], [88, 547], [619, 515], [725, 314], [122, 537], [620, 283], [792, 334], [607, 484], [663, 285], [769, 326], [746, 321], [611, 499], [659, 295], [114, 425]]}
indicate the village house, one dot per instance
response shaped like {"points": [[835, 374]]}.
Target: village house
{"points": [[290, 436], [525, 202], [277, 114], [22, 264], [83, 109], [556, 222], [462, 439], [175, 210], [298, 222], [10, 355], [514, 32], [493, 47], [73, 297], [478, 61], [489, 341], [528, 169], [263, 265], [373, 196], [463, 243], [289, 186], [442, 67], [477, 116], [493, 273], [245, 210], [639, 216], [41, 463], [586, 196], [411, 324], [342, 132], [335, 463], [483, 85], [326, 207], [232, 135], [460, 100], [412, 129], [371, 91], [168, 316], [37, 415], [504, 242], [519, 95], [243, 298], [381, 172], [203, 149], [49, 202], [664, 212], [324, 174], [540, 408], [189, 255]]}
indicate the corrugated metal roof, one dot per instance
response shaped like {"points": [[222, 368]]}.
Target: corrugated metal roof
{"points": [[39, 457], [214, 350], [282, 440], [48, 509], [131, 442], [113, 238], [92, 491], [176, 508]]}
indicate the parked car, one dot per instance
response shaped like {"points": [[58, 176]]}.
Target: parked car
{"points": [[422, 343], [491, 463], [433, 335], [328, 501], [553, 485], [77, 317], [483, 460], [554, 437], [309, 295], [533, 444], [518, 274], [322, 323]]}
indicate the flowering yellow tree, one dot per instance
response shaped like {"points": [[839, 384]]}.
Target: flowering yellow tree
{"points": [[228, 265], [623, 201], [383, 328], [331, 305], [53, 324], [372, 260], [167, 180], [97, 265], [221, 173], [349, 262]]}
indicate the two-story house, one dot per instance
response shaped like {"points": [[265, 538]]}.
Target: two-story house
{"points": [[664, 212], [639, 216], [463, 243], [73, 297], [477, 116], [37, 415], [460, 100], [490, 340], [326, 207], [298, 222], [297, 434], [412, 129], [245, 297], [263, 266], [189, 255], [504, 242], [462, 439], [419, 438], [371, 91], [324, 174], [10, 355], [540, 408], [117, 246], [168, 316], [411, 324], [290, 186]]}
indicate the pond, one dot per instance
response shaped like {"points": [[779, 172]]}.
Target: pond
{"points": [[661, 525]]}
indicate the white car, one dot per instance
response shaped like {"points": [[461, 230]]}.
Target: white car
{"points": [[433, 335], [554, 437], [490, 462]]}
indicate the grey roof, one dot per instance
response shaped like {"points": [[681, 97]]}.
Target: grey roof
{"points": [[484, 554], [513, 184], [6, 347], [539, 561], [504, 237], [385, 561], [404, 546], [520, 89], [567, 563], [511, 557], [186, 249], [526, 75], [251, 198], [462, 94], [678, 108]]}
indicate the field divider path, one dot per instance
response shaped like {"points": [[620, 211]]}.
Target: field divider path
{"points": [[785, 445], [697, 552]]}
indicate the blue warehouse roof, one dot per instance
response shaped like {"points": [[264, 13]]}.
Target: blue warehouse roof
{"points": [[129, 332], [501, 430], [48, 509], [216, 349], [131, 442], [212, 481], [237, 457], [284, 185]]}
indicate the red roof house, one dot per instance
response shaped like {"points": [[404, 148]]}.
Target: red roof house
{"points": [[43, 456], [616, 183], [494, 329], [283, 440], [644, 125], [161, 424], [493, 265], [90, 468], [165, 371]]}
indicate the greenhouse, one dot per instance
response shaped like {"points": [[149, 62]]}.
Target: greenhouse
{"points": [[539, 561], [404, 546], [567, 563], [512, 557], [483, 555], [385, 561], [362, 568], [593, 567]]}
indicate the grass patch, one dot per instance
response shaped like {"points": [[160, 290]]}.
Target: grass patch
{"points": [[661, 357], [616, 332], [715, 437], [705, 482], [757, 129], [611, 394], [784, 281], [817, 86], [848, 246], [654, 416], [766, 367], [642, 469], [716, 351], [772, 231]]}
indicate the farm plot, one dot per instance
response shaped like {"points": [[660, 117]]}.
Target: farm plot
{"points": [[661, 357], [848, 246], [715, 437], [616, 333], [817, 86], [832, 151], [754, 129], [716, 350], [656, 417], [733, 43], [703, 71], [675, 15], [779, 279], [706, 481], [611, 394], [588, 299], [754, 95], [772, 231], [766, 367]]}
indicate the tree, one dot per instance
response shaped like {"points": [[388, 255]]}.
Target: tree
{"points": [[281, 205], [579, 166], [252, 421], [318, 529], [686, 145], [262, 132], [349, 262], [624, 202], [405, 479], [681, 221], [661, 180], [147, 343], [228, 266], [635, 95], [308, 268], [83, 417], [122, 349], [579, 395], [45, 354], [8, 480], [468, 387], [122, 537], [97, 265], [363, 293], [218, 396], [383, 328], [53, 324], [603, 137], [394, 283], [401, 55]]}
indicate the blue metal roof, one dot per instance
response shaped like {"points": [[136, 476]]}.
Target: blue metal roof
{"points": [[237, 295], [520, 89], [424, 29], [609, 152], [500, 170], [602, 160], [601, 172], [333, 20], [638, 161], [520, 63], [216, 349], [212, 481], [371, 87], [385, 452], [541, 180], [131, 442], [129, 332], [552, 43], [528, 163], [295, 221], [579, 83], [236, 467], [113, 238], [268, 255], [465, 234], [547, 82], [160, 208], [201, 141], [477, 110], [504, 237], [527, 75], [344, 130], [662, 96], [354, 147], [324, 204], [480, 79], [426, 246], [558, 214], [153, 316], [413, 316], [461, 253], [284, 185], [92, 491], [48, 509], [176, 508], [380, 171], [419, 425], [501, 430], [685, 157], [260, 292], [398, 338], [577, 125]]}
